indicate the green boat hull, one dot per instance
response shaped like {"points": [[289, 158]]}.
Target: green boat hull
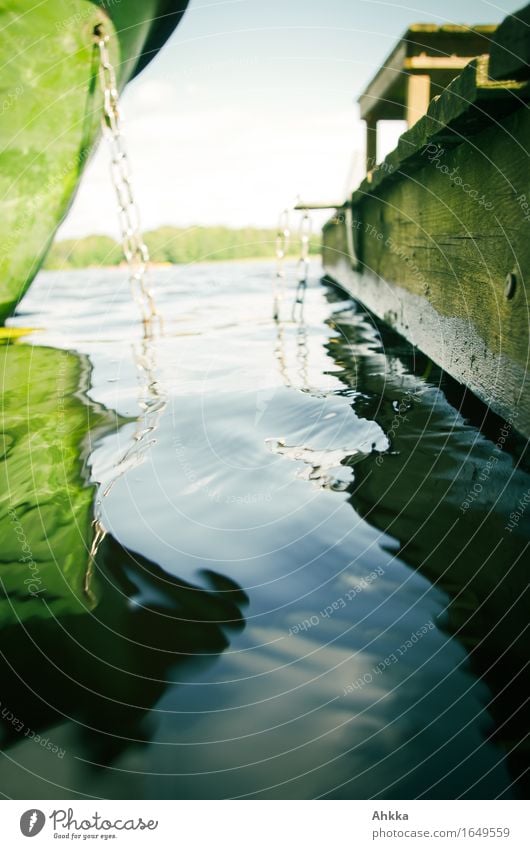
{"points": [[50, 112]]}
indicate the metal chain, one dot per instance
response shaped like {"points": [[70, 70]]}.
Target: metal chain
{"points": [[303, 263], [153, 402], [153, 399], [134, 248], [282, 246], [282, 242], [302, 356], [305, 235]]}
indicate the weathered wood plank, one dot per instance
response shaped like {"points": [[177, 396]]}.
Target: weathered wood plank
{"points": [[418, 97], [436, 240], [510, 51], [422, 46], [435, 250], [466, 107]]}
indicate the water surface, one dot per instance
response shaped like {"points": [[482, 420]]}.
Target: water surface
{"points": [[310, 586]]}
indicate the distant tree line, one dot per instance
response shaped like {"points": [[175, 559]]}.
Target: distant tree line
{"points": [[176, 245]]}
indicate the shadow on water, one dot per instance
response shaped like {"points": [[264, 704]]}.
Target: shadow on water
{"points": [[371, 460], [105, 670], [455, 499], [96, 646]]}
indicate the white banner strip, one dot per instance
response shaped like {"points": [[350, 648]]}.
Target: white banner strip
{"points": [[265, 824]]}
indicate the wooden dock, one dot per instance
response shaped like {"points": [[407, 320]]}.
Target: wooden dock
{"points": [[436, 240]]}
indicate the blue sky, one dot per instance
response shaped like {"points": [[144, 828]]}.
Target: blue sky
{"points": [[253, 102]]}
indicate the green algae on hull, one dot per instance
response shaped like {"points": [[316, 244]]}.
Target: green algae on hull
{"points": [[50, 112]]}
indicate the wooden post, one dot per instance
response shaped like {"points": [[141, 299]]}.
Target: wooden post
{"points": [[418, 97], [371, 142]]}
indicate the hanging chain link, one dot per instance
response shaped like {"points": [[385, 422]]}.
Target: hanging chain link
{"points": [[302, 351], [302, 268], [282, 246], [282, 242], [153, 399], [305, 236], [152, 402], [134, 248]]}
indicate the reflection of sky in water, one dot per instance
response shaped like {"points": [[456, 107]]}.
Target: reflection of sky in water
{"points": [[262, 471]]}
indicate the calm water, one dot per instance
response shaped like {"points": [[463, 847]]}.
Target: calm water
{"points": [[310, 585]]}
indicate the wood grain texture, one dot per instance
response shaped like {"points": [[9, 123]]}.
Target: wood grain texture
{"points": [[434, 252], [436, 240], [467, 106], [510, 51]]}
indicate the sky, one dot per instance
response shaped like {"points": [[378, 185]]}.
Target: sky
{"points": [[252, 103]]}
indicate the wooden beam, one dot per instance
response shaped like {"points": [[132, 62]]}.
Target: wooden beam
{"points": [[340, 204], [437, 63], [371, 142], [466, 106], [423, 46], [444, 257], [418, 97], [510, 51], [440, 230], [385, 79]]}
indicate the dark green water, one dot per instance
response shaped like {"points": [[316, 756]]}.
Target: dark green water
{"points": [[315, 577]]}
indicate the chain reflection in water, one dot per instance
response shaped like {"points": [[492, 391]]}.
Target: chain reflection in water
{"points": [[152, 401], [302, 355], [153, 398]]}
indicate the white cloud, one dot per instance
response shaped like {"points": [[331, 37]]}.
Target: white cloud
{"points": [[213, 167]]}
